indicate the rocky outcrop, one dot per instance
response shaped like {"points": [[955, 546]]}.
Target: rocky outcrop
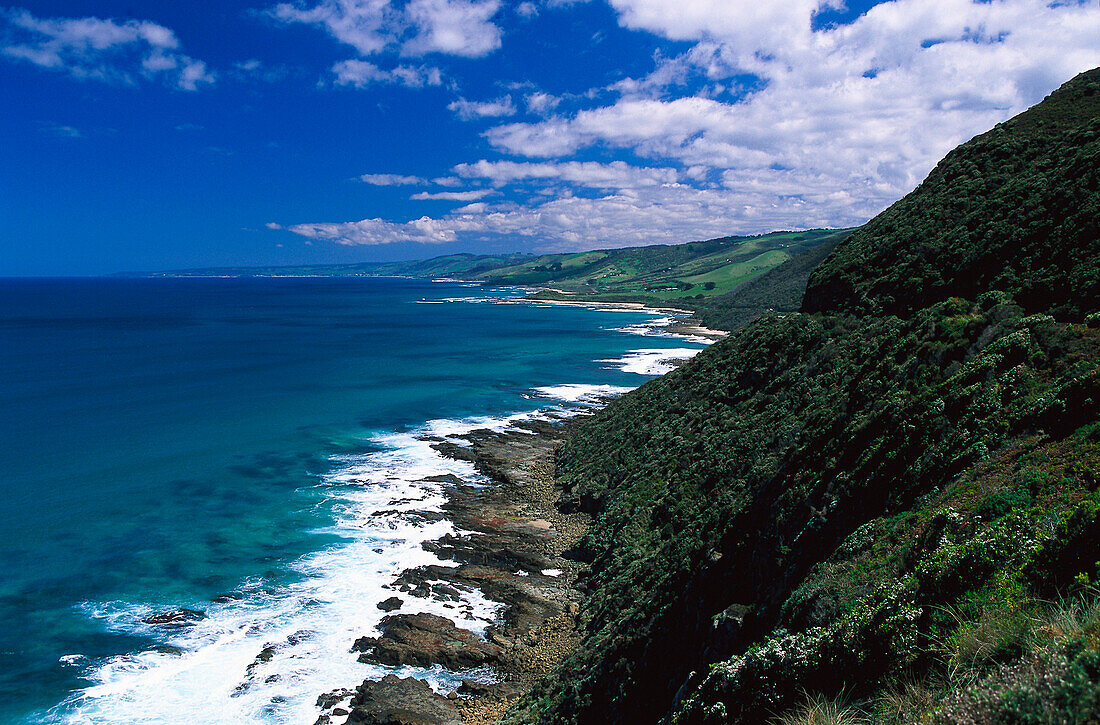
{"points": [[391, 604], [401, 701], [175, 618], [510, 547], [423, 640]]}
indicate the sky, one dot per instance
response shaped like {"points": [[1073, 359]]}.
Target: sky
{"points": [[139, 135]]}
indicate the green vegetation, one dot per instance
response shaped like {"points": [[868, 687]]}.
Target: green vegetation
{"points": [[777, 290], [884, 518], [1035, 235], [681, 274]]}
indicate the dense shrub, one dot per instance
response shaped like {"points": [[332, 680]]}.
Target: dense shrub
{"points": [[1015, 209]]}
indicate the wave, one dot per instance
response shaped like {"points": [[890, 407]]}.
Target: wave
{"points": [[658, 327], [579, 393], [655, 361], [266, 653]]}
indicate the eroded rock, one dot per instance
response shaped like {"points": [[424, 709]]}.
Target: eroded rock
{"points": [[423, 640], [401, 701]]}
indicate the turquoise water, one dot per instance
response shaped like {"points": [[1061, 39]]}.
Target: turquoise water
{"points": [[214, 444]]}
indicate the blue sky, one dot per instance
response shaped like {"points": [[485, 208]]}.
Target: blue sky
{"points": [[145, 135]]}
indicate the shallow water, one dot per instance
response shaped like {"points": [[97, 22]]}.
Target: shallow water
{"points": [[166, 443]]}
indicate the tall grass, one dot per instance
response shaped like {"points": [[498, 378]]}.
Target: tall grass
{"points": [[821, 710], [1073, 618]]}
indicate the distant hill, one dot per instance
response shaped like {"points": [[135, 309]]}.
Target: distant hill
{"points": [[676, 274], [663, 273], [777, 290], [1014, 210]]}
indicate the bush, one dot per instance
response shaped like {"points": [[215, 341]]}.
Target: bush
{"points": [[1057, 688]]}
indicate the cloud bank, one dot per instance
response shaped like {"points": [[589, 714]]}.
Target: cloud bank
{"points": [[774, 117]]}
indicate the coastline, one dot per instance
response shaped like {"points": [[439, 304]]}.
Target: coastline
{"points": [[263, 648], [512, 544], [682, 325]]}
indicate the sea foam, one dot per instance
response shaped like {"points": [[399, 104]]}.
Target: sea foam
{"points": [[656, 361], [265, 657]]}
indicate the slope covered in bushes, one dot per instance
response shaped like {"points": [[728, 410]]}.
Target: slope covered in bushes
{"points": [[1016, 209], [887, 509]]}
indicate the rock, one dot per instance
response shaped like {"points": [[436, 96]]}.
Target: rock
{"points": [[300, 636], [423, 640], [167, 649], [391, 604], [512, 531], [335, 697], [445, 477], [226, 598], [181, 617], [401, 701]]}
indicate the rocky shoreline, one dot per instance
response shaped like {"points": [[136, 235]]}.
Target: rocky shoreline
{"points": [[514, 547]]}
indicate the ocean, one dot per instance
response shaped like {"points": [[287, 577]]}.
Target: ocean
{"points": [[196, 471]]}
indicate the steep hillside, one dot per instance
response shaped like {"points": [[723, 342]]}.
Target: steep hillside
{"points": [[778, 290], [1016, 209], [893, 515]]}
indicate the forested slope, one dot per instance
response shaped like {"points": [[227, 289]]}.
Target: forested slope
{"points": [[888, 507], [1035, 233]]}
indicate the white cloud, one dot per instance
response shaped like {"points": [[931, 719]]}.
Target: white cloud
{"points": [[763, 123], [65, 131], [391, 180], [274, 226], [472, 195], [591, 174], [424, 230], [452, 27], [541, 103], [419, 27], [656, 215], [847, 119], [527, 10], [105, 50], [472, 110], [366, 25], [361, 73], [254, 69], [749, 25]]}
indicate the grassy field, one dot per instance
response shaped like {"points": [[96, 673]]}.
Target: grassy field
{"points": [[669, 273]]}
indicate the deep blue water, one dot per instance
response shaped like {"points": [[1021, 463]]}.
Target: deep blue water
{"points": [[162, 441]]}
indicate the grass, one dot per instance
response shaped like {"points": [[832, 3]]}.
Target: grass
{"points": [[1074, 618], [821, 710]]}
